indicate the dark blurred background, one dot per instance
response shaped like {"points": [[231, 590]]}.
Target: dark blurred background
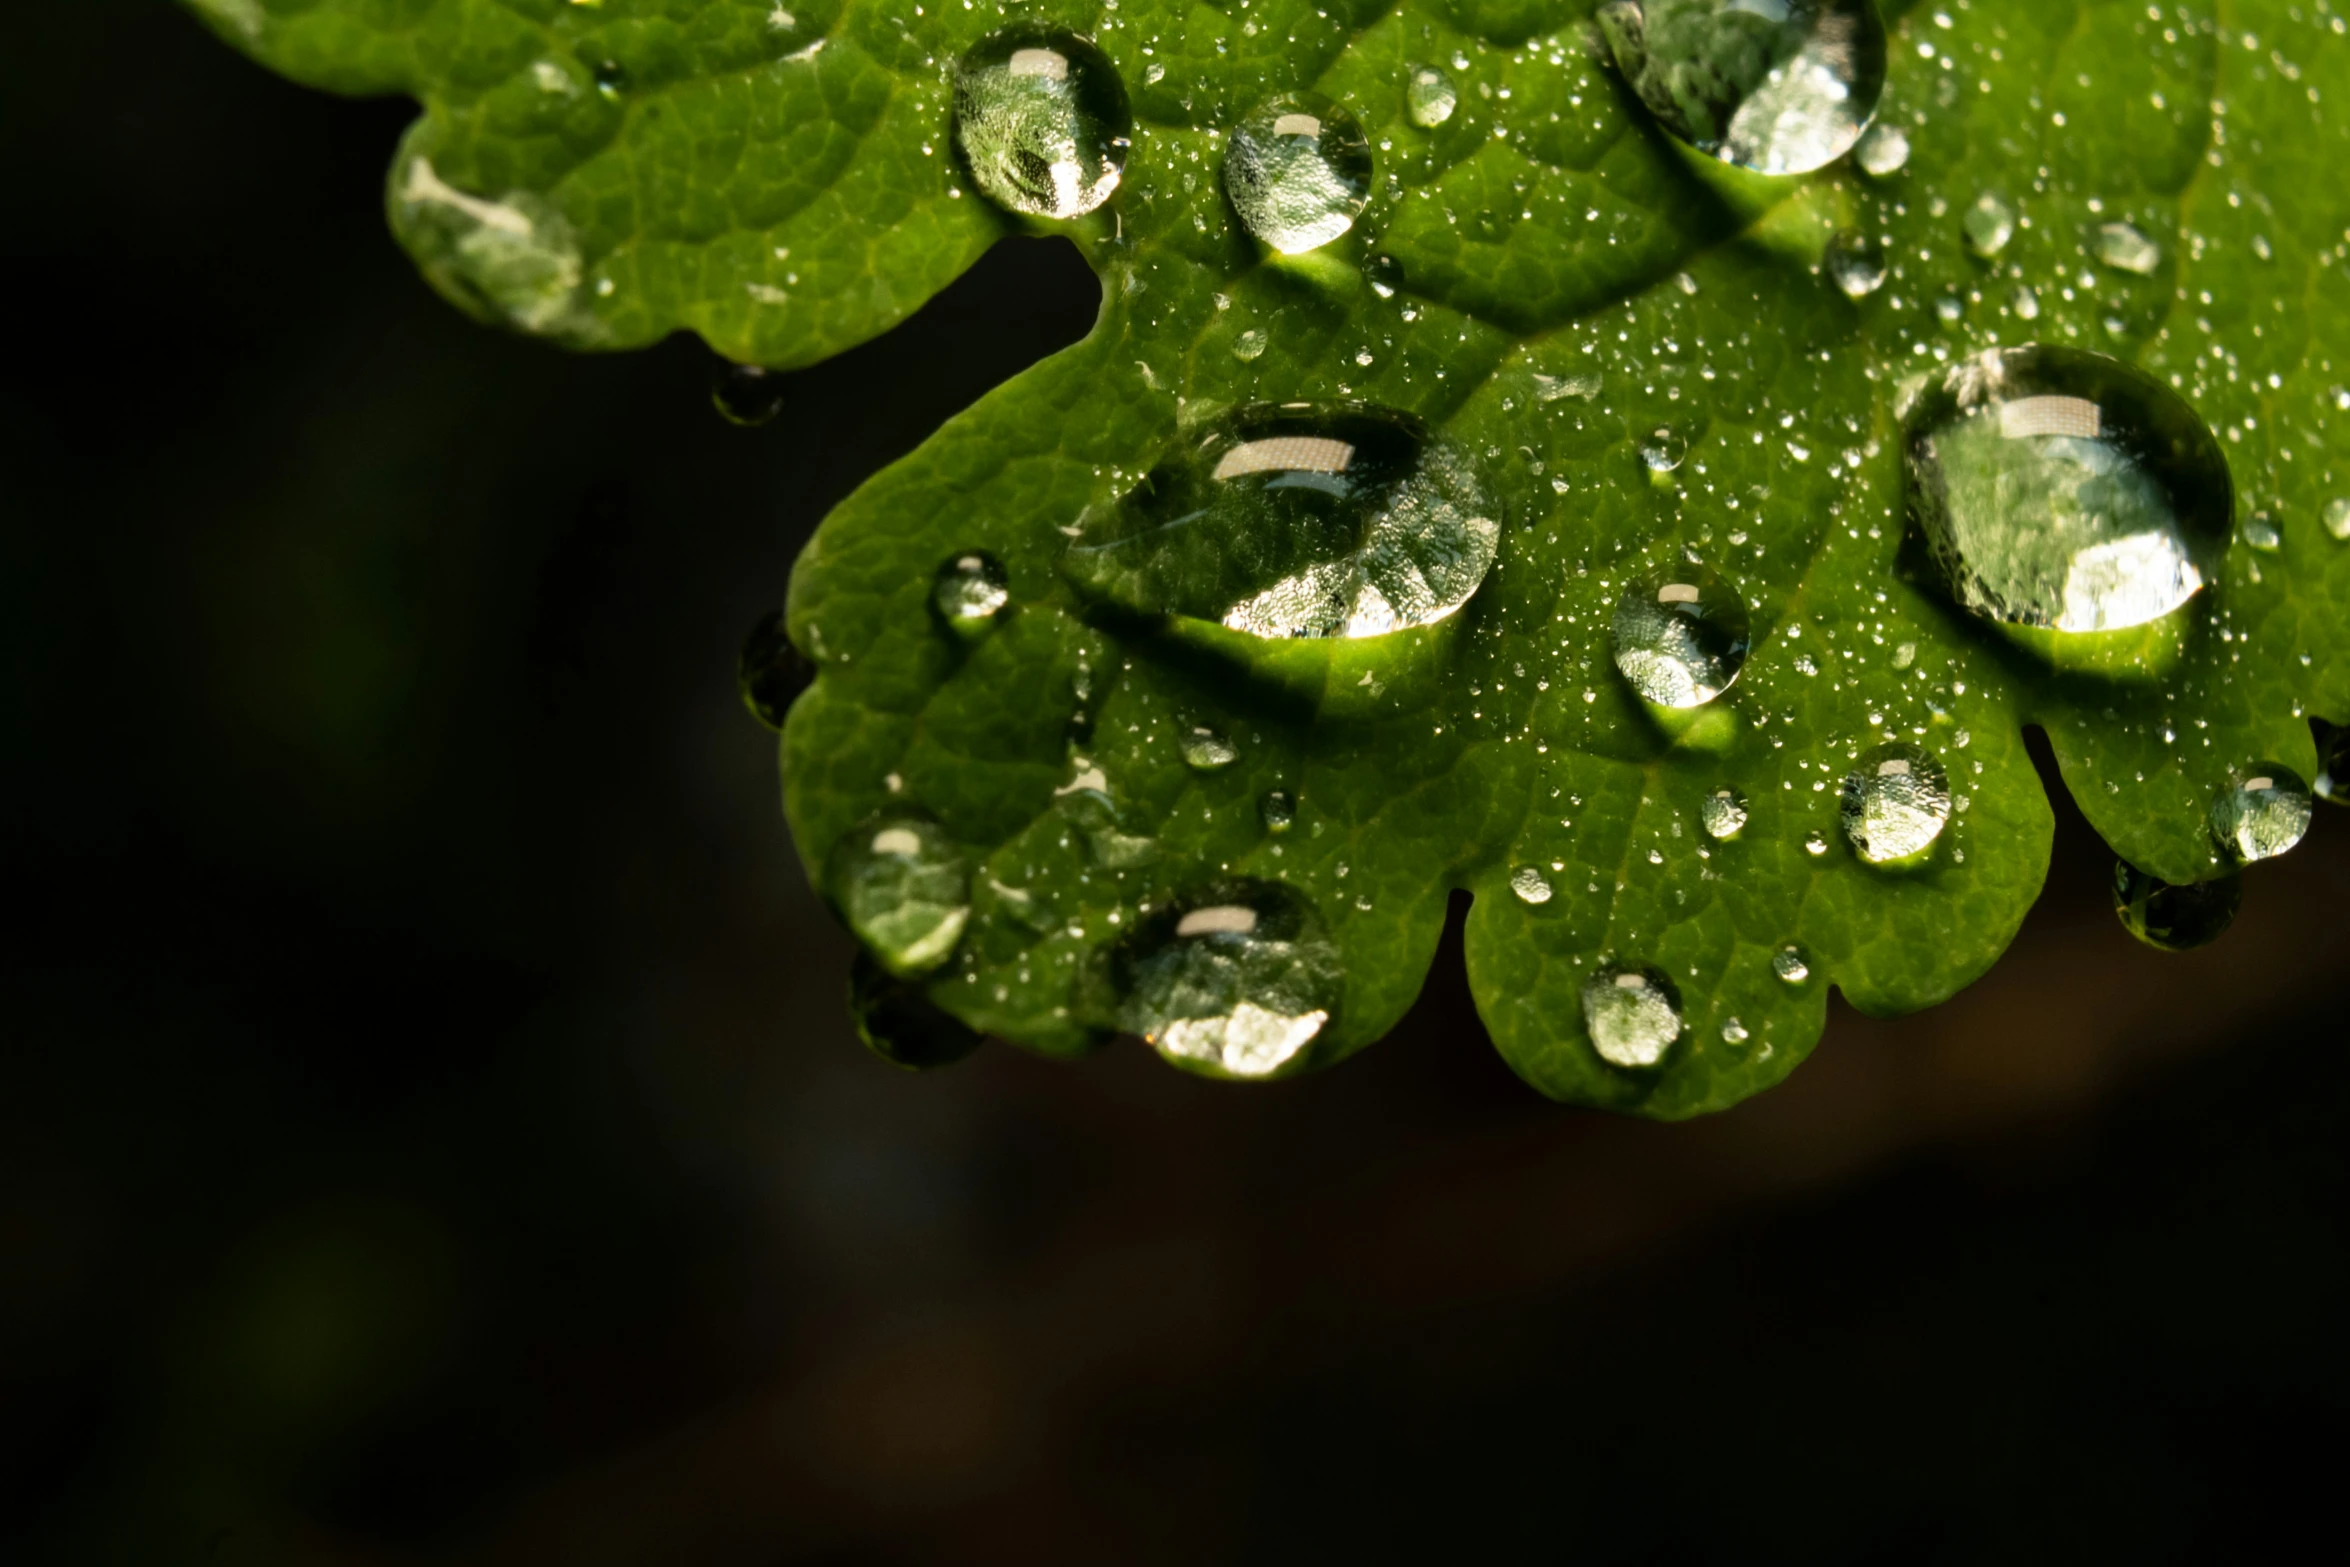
{"points": [[429, 1129]]}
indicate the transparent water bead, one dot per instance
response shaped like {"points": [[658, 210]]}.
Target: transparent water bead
{"points": [[1278, 809], [1663, 449], [1682, 643], [1855, 264], [2260, 531], [1632, 1014], [1430, 97], [2062, 489], [1530, 885], [1777, 86], [970, 593], [1205, 751], [2126, 250], [2261, 812], [1298, 171], [1734, 1032], [1724, 813], [2336, 517], [1297, 520], [1237, 981], [904, 889], [1883, 150], [748, 395], [1041, 122], [771, 673], [2333, 765], [1789, 964], [514, 262], [1896, 800], [1989, 224], [2174, 917], [902, 1025]]}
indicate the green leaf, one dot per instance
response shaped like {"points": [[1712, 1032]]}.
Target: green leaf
{"points": [[1544, 281]]}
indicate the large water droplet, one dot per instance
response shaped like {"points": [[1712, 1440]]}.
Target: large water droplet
{"points": [[1856, 264], [1238, 980], [1633, 1015], [1790, 965], [747, 395], [515, 261], [1724, 813], [2066, 490], [1680, 643], [2174, 917], [1297, 521], [1430, 97], [1896, 800], [1041, 121], [904, 888], [2261, 812], [1778, 86], [970, 593], [2126, 250], [1298, 171], [1883, 150], [771, 672], [902, 1025], [1530, 885], [1989, 224]]}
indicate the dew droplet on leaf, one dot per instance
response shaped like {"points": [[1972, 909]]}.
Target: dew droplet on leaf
{"points": [[771, 673], [1041, 122], [1724, 813], [970, 592], [1298, 170], [1883, 150], [2123, 248], [1430, 97], [1789, 964], [902, 1025], [1204, 750], [1237, 980], [1632, 1014], [1680, 643], [2174, 917], [1856, 264], [2260, 812], [747, 395], [903, 887], [1989, 223], [1530, 885], [1895, 802]]}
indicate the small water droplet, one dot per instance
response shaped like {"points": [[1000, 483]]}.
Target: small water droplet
{"points": [[1236, 981], [1430, 97], [771, 673], [515, 261], [2260, 531], [902, 1025], [1249, 345], [1663, 449], [1041, 122], [902, 885], [1734, 1032], [2126, 250], [611, 79], [1298, 171], [1856, 264], [1724, 813], [2026, 303], [2336, 517], [747, 395], [1782, 90], [2261, 812], [1385, 275], [970, 592], [1279, 810], [1204, 750], [1682, 643], [1883, 150], [1989, 223], [1788, 963], [1632, 1014], [1895, 802], [1815, 845], [2174, 917], [1550, 388], [1530, 884]]}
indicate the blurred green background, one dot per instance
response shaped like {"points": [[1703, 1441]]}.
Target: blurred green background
{"points": [[430, 1131]]}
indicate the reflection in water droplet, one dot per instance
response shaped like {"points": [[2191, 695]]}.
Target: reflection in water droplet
{"points": [[1883, 150], [1896, 800], [1298, 171], [1781, 87], [1530, 884], [1041, 121], [1430, 97], [1297, 521], [970, 593], [1788, 963], [1815, 845], [2260, 531], [746, 394], [902, 1025], [2063, 489], [1724, 813], [1238, 980], [1278, 808], [2126, 250], [1734, 1032], [1663, 449], [2336, 516], [1680, 643], [771, 673], [1204, 750], [2174, 917], [1385, 274], [1249, 345], [1989, 224], [1633, 1015], [1856, 264], [905, 891], [2262, 812]]}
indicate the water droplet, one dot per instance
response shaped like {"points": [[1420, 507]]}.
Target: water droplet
{"points": [[1989, 224], [2126, 250], [1680, 643], [970, 593], [902, 884], [902, 1025], [1041, 122], [1550, 388], [2260, 531], [1279, 809], [2262, 812], [1530, 884], [1429, 97], [515, 261], [1896, 800], [1249, 345], [1298, 171], [1633, 1015], [1297, 520], [1724, 813], [2174, 917], [1814, 845], [1663, 449], [1782, 89], [1883, 150], [746, 394], [1856, 264], [1734, 1032], [2026, 303], [2336, 517], [2063, 489], [1788, 963], [611, 79], [1204, 750], [1385, 274], [1237, 981], [771, 673]]}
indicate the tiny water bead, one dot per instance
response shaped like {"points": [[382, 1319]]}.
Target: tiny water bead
{"points": [[2174, 917], [1632, 1014], [1662, 449], [1883, 150], [2062, 489], [1724, 813], [1205, 751], [1297, 520], [1530, 885], [1250, 345], [1777, 86], [1680, 644], [1279, 810], [902, 1025], [2260, 812], [1041, 122], [2126, 250], [1855, 264], [1238, 980], [903, 886], [1298, 170], [1430, 97], [1734, 1032], [1989, 223], [2336, 517], [970, 592], [1895, 803], [771, 673], [747, 395], [1385, 275], [2260, 531], [1789, 964]]}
